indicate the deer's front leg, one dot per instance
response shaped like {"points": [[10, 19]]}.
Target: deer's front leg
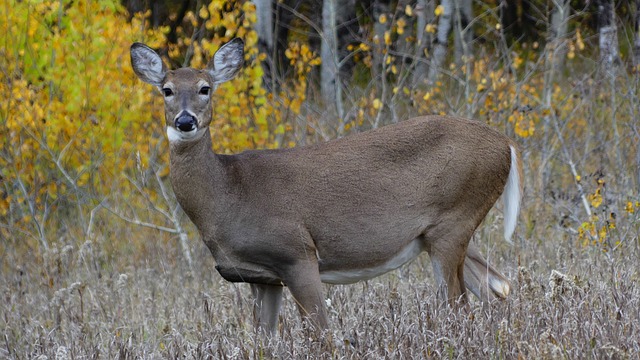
{"points": [[266, 306], [303, 280]]}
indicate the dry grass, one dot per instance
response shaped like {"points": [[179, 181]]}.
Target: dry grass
{"points": [[128, 293], [76, 303]]}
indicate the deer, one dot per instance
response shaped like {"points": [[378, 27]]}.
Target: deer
{"points": [[337, 212]]}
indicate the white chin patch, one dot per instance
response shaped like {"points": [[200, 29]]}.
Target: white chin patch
{"points": [[176, 135]]}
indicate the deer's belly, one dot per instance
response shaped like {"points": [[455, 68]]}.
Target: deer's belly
{"points": [[348, 276]]}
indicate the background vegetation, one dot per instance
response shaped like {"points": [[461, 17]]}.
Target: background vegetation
{"points": [[98, 261]]}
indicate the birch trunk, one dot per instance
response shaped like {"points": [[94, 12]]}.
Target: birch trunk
{"points": [[264, 28], [636, 36], [558, 33], [554, 59], [330, 66], [463, 35], [608, 35], [424, 16], [264, 24], [609, 62], [441, 43]]}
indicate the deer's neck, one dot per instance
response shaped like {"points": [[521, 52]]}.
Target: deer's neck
{"points": [[196, 176]]}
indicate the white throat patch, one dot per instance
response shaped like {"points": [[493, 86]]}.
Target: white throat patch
{"points": [[176, 135]]}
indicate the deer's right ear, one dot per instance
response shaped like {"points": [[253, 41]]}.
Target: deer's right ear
{"points": [[147, 64]]}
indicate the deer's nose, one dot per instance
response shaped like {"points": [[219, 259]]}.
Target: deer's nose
{"points": [[186, 122]]}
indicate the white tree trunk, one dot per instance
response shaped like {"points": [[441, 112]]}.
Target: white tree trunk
{"points": [[442, 37], [264, 28], [264, 23], [463, 36], [556, 50], [558, 32], [328, 53], [424, 16], [636, 37], [608, 35], [330, 66]]}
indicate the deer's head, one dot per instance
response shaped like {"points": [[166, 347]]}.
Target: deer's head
{"points": [[187, 92]]}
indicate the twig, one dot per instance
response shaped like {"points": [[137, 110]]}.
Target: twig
{"points": [[141, 223]]}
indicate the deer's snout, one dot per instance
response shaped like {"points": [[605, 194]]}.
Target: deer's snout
{"points": [[186, 122]]}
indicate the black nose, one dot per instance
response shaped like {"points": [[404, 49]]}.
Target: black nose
{"points": [[186, 122]]}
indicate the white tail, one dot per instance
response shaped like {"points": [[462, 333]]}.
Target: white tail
{"points": [[511, 196], [340, 211]]}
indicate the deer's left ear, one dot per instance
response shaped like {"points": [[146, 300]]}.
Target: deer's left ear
{"points": [[227, 61]]}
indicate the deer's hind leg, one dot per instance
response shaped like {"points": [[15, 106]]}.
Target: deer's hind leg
{"points": [[447, 250], [482, 279]]}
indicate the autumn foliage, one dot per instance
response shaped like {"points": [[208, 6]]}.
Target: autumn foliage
{"points": [[78, 128], [82, 144], [75, 118]]}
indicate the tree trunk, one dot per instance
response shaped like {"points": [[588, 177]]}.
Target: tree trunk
{"points": [[556, 50], [330, 66], [442, 37], [636, 38], [608, 35], [463, 35], [264, 28], [558, 33], [424, 39]]}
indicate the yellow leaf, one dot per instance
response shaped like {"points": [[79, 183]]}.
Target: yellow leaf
{"points": [[439, 10], [203, 12], [579, 41], [387, 38], [382, 19], [629, 207], [517, 61], [377, 104], [603, 233], [408, 10], [401, 23], [596, 199], [430, 28]]}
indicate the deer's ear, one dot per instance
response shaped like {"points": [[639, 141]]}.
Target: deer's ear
{"points": [[147, 64], [227, 61]]}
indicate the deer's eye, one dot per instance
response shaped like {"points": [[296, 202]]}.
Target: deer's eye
{"points": [[167, 92], [204, 90]]}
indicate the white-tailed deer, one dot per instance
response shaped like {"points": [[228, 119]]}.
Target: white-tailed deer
{"points": [[337, 212]]}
